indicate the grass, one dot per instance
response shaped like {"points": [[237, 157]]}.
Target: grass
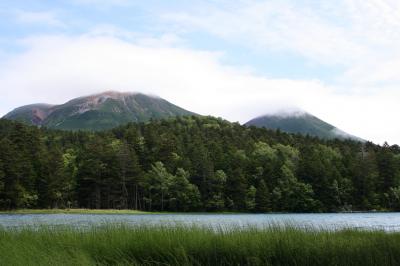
{"points": [[144, 245]]}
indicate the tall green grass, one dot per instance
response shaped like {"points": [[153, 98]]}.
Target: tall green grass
{"points": [[123, 245]]}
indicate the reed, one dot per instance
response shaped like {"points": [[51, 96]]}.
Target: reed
{"points": [[191, 245]]}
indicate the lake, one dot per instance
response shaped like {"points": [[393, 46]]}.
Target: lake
{"points": [[330, 221]]}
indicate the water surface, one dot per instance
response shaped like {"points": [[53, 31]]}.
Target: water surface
{"points": [[330, 221]]}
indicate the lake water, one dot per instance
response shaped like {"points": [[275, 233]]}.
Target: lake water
{"points": [[384, 221]]}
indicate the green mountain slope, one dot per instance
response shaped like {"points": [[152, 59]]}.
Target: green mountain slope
{"points": [[30, 114], [97, 112], [302, 123]]}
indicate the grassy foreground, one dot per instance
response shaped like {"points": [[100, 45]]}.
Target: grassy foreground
{"points": [[122, 245]]}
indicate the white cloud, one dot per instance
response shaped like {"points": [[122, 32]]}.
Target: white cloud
{"points": [[276, 25], [57, 68], [48, 18], [362, 36]]}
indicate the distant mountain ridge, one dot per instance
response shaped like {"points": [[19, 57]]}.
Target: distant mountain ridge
{"points": [[97, 112], [302, 123], [111, 109]]}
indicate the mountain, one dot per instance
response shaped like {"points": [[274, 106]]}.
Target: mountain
{"points": [[97, 112], [30, 114], [302, 123]]}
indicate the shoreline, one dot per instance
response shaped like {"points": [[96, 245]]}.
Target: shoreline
{"points": [[74, 211], [138, 212], [109, 211]]}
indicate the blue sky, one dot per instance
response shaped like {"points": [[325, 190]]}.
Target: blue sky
{"points": [[236, 59]]}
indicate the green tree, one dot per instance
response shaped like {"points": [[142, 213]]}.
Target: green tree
{"points": [[262, 199], [388, 169], [236, 189], [15, 168], [251, 198], [182, 195], [92, 174], [394, 198], [156, 184], [53, 183], [293, 195], [365, 179], [216, 185], [320, 166]]}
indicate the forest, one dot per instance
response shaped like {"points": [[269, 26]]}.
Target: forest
{"points": [[191, 164]]}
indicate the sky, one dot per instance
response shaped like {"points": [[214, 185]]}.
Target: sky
{"points": [[339, 60]]}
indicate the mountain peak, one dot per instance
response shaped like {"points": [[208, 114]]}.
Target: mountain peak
{"points": [[111, 94], [289, 112], [100, 97]]}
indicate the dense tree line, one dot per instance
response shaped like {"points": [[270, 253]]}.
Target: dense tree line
{"points": [[194, 164]]}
